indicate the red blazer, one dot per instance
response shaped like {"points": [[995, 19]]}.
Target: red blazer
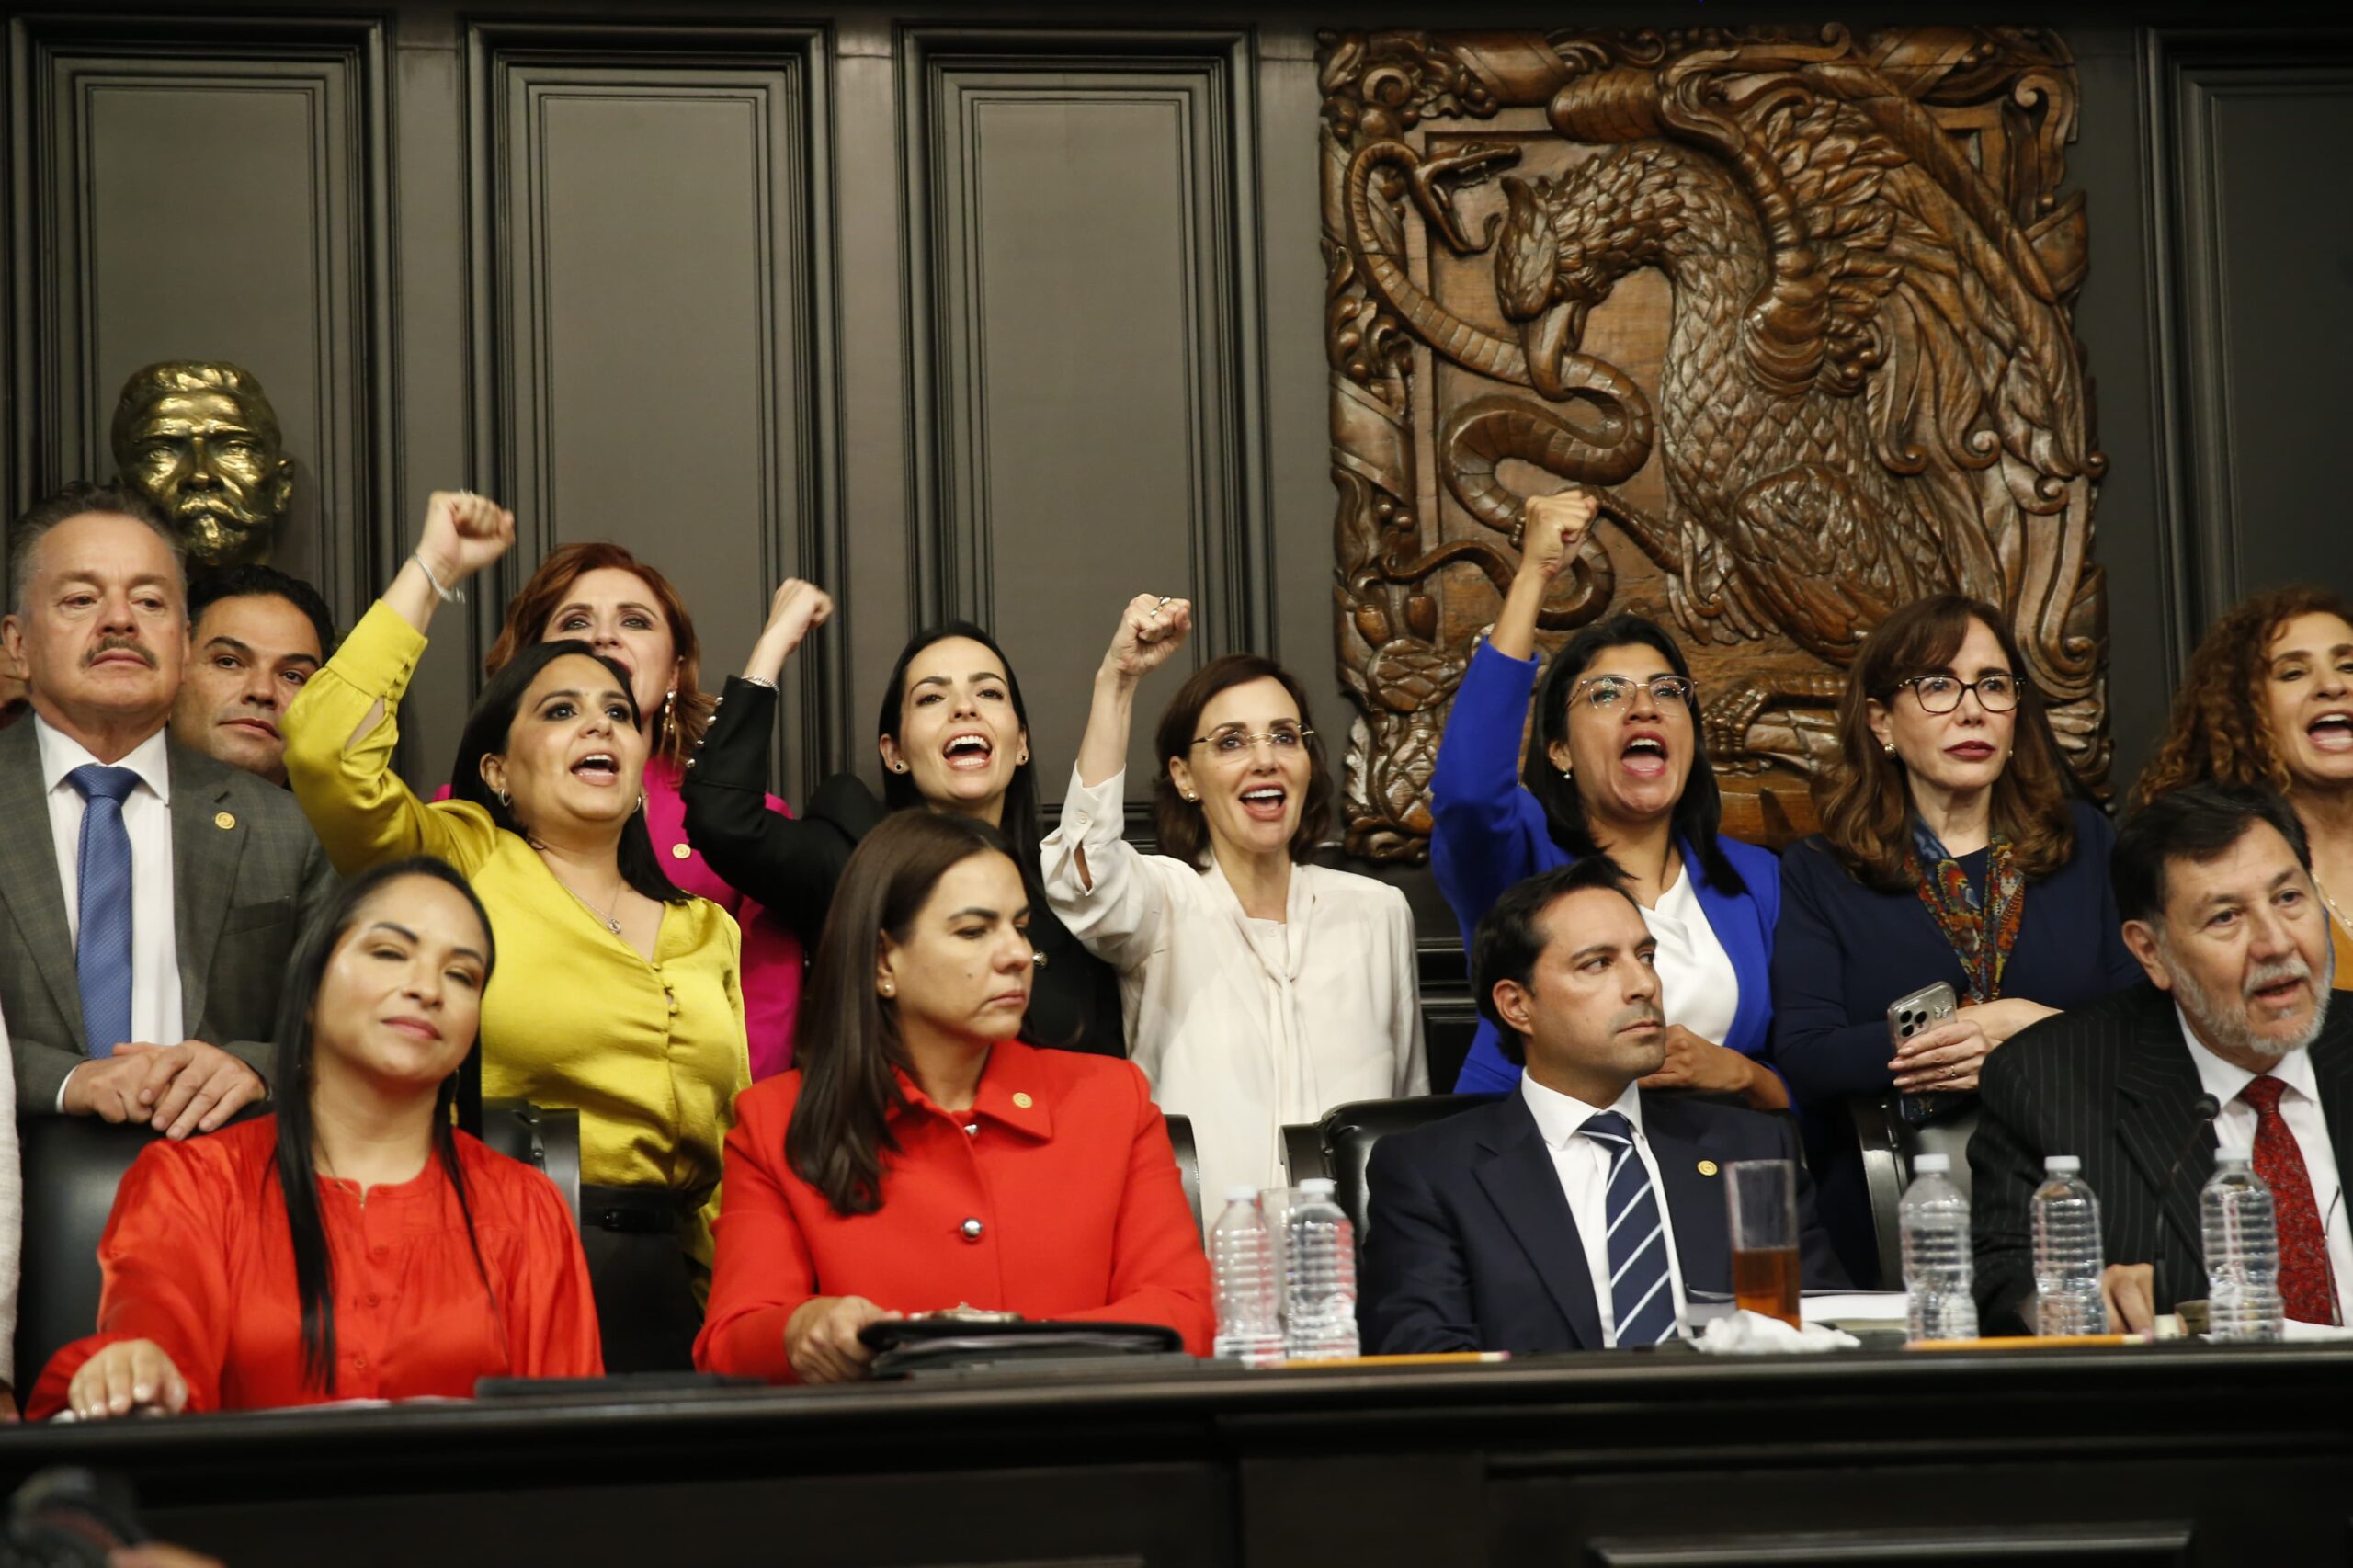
{"points": [[196, 1256], [1069, 1176]]}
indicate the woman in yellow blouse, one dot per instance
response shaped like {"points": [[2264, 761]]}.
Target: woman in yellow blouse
{"points": [[621, 995]]}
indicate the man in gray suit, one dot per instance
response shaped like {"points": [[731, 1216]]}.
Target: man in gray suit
{"points": [[2231, 1043], [151, 895]]}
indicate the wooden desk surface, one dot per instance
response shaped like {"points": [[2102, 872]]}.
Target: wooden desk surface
{"points": [[2162, 1454]]}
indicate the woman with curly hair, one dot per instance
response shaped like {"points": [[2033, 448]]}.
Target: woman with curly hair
{"points": [[2270, 702]]}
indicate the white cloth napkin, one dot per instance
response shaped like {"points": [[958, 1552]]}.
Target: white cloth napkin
{"points": [[1753, 1333]]}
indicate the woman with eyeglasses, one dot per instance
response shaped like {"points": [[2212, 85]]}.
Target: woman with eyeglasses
{"points": [[1616, 766], [1259, 989], [1954, 849]]}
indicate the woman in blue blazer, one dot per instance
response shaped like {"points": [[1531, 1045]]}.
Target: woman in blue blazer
{"points": [[1616, 765]]}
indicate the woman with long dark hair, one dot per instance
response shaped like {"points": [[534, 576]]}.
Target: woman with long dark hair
{"points": [[1954, 848], [953, 736], [623, 999], [919, 1156], [355, 1244], [1261, 989], [596, 592], [1617, 766]]}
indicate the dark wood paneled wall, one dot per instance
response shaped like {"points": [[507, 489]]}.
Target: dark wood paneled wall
{"points": [[2255, 294], [210, 189], [1009, 318], [652, 330]]}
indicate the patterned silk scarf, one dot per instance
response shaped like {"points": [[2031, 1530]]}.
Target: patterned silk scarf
{"points": [[1981, 931]]}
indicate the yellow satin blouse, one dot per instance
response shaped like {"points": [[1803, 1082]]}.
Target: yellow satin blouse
{"points": [[651, 1054]]}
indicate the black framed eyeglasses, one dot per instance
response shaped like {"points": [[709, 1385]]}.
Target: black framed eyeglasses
{"points": [[1603, 693], [1234, 741], [1942, 694]]}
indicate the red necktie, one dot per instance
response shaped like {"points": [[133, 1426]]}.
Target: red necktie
{"points": [[2304, 1287]]}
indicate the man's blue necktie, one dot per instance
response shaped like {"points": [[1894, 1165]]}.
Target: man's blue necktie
{"points": [[102, 948], [1640, 1296]]}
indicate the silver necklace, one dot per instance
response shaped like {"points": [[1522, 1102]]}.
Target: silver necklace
{"points": [[609, 918]]}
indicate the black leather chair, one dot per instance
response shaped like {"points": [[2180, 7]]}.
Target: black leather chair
{"points": [[1350, 1131], [73, 1164], [1889, 1144], [1303, 1153], [1189, 1163]]}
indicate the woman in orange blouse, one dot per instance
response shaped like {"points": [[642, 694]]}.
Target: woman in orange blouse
{"points": [[354, 1245], [918, 1156]]}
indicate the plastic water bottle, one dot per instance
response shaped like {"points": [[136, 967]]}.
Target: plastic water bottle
{"points": [[1249, 1295], [1320, 1294], [1936, 1272], [2242, 1252], [2067, 1258]]}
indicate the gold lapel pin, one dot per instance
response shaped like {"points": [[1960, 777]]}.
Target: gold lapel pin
{"points": [[681, 852], [1706, 1167], [224, 819], [1021, 1102]]}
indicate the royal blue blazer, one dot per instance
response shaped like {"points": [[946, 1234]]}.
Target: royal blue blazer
{"points": [[1488, 833]]}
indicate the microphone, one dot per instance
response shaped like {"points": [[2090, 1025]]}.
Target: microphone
{"points": [[2206, 1108]]}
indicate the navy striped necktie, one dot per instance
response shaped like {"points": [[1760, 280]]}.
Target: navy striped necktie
{"points": [[1641, 1297]]}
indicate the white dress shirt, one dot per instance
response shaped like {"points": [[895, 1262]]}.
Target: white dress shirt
{"points": [[1242, 1025], [2300, 1107], [1583, 1165], [147, 820], [1697, 987]]}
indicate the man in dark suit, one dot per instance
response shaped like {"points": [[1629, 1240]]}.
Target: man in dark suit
{"points": [[2230, 1040], [1578, 1213], [152, 895]]}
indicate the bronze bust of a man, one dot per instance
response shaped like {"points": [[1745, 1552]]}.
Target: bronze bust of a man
{"points": [[202, 439]]}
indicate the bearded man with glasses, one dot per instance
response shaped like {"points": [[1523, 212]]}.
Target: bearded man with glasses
{"points": [[1955, 849]]}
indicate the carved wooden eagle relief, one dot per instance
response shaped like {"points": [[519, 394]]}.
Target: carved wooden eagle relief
{"points": [[1796, 307]]}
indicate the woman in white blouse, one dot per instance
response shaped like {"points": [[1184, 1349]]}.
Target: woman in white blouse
{"points": [[1259, 990]]}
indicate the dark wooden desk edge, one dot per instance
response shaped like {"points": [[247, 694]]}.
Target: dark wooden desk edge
{"points": [[2111, 1396]]}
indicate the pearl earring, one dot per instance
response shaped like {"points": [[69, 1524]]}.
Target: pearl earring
{"points": [[889, 988]]}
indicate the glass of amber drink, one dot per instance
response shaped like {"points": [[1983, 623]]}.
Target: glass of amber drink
{"points": [[1764, 1195]]}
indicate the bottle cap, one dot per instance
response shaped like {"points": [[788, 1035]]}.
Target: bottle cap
{"points": [[2241, 1158], [1242, 1192], [2061, 1164], [1319, 1187], [1931, 1164]]}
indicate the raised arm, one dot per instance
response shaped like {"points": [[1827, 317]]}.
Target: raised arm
{"points": [[789, 864], [1094, 878], [1551, 537], [341, 731]]}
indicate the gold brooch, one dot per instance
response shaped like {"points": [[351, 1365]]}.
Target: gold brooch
{"points": [[1706, 1167], [1021, 1102], [224, 819]]}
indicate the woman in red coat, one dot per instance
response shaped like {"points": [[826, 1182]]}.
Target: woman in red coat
{"points": [[919, 1157], [354, 1245]]}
